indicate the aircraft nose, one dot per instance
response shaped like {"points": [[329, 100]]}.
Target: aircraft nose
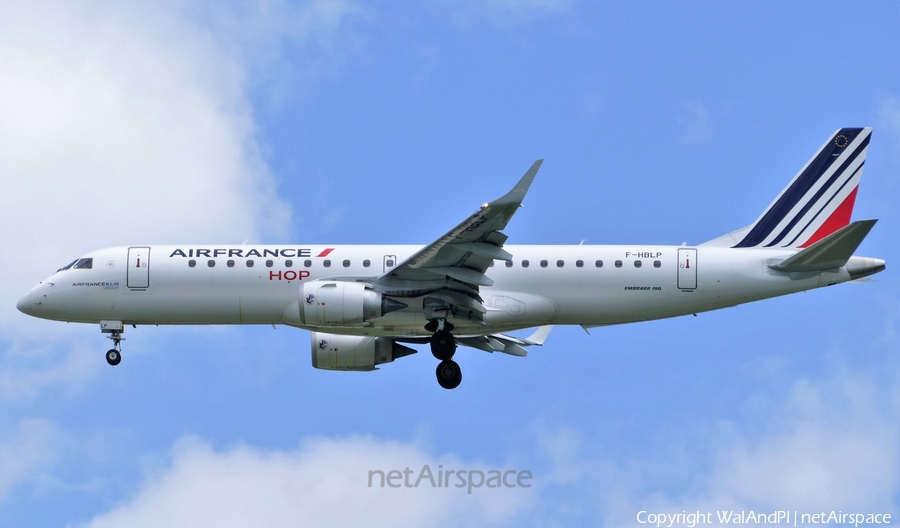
{"points": [[29, 302]]}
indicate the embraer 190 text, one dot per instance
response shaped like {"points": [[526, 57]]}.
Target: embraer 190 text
{"points": [[469, 287]]}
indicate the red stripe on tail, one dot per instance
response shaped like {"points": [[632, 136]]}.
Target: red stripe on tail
{"points": [[838, 219]]}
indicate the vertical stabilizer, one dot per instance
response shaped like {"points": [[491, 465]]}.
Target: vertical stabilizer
{"points": [[818, 201]]}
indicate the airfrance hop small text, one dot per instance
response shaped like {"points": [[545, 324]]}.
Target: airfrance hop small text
{"points": [[450, 478], [785, 517]]}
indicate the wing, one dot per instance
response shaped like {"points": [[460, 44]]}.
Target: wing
{"points": [[453, 267]]}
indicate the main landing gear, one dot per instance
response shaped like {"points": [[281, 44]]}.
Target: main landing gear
{"points": [[443, 346], [448, 374]]}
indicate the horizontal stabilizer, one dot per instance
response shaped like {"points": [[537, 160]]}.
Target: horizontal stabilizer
{"points": [[832, 251]]}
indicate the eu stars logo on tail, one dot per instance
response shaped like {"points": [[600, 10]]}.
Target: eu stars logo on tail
{"points": [[819, 200]]}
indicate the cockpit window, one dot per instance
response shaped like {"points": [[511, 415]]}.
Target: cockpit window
{"points": [[67, 266], [85, 263]]}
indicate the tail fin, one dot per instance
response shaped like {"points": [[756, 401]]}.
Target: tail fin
{"points": [[818, 201]]}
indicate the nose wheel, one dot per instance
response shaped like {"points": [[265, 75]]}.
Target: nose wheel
{"points": [[443, 347], [114, 355]]}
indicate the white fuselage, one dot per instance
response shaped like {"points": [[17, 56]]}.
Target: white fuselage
{"points": [[157, 285]]}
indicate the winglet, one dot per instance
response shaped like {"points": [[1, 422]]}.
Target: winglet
{"points": [[517, 194], [539, 335], [513, 346], [832, 251]]}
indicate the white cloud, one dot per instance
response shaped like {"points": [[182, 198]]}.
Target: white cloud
{"points": [[27, 453], [834, 444], [323, 482], [840, 449], [560, 445], [127, 123], [120, 124], [889, 114], [507, 12], [132, 123], [695, 123], [27, 369], [889, 122], [528, 6], [266, 37]]}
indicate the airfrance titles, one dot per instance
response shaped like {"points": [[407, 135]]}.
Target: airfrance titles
{"points": [[104, 285], [242, 252]]}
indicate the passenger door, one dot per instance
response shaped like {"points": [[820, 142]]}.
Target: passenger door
{"points": [[138, 267], [687, 269]]}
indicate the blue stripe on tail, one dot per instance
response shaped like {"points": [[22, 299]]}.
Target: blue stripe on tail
{"points": [[804, 182]]}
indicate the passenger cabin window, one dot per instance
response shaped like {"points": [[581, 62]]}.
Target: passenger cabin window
{"points": [[249, 263], [288, 263], [618, 263], [579, 263], [346, 263], [598, 263], [560, 263], [367, 263], [491, 265], [543, 263], [307, 263], [269, 263], [657, 263], [85, 263], [192, 263], [637, 263], [327, 263], [508, 263], [525, 263], [211, 263], [390, 263], [230, 263]]}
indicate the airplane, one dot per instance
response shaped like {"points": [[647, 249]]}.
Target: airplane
{"points": [[364, 303]]}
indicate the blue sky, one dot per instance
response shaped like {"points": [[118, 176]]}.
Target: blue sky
{"points": [[346, 122]]}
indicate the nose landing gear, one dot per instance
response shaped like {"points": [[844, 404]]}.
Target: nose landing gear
{"points": [[443, 347], [114, 329]]}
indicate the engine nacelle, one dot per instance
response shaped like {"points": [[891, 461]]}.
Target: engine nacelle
{"points": [[339, 303], [343, 352]]}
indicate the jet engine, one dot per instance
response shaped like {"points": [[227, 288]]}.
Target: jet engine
{"points": [[339, 303], [343, 352]]}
